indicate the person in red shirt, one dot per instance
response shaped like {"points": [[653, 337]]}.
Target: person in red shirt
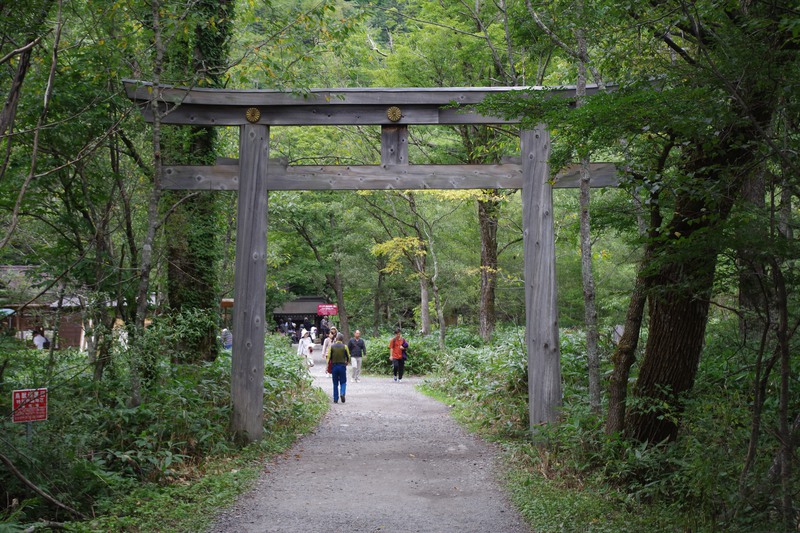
{"points": [[397, 348]]}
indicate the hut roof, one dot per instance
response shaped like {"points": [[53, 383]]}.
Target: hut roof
{"points": [[304, 305]]}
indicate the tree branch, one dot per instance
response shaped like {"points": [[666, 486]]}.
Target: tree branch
{"points": [[46, 104], [21, 49], [37, 490], [564, 46]]}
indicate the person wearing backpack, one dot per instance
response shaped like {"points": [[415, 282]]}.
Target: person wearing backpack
{"points": [[397, 354], [339, 359]]}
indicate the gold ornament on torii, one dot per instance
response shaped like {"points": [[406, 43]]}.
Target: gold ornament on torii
{"points": [[252, 115], [394, 114]]}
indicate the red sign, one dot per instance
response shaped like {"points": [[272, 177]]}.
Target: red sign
{"points": [[327, 309], [29, 405]]}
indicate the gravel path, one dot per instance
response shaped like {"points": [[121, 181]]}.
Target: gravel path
{"points": [[389, 460]]}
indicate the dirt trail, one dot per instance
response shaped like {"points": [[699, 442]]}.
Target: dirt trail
{"points": [[388, 460]]}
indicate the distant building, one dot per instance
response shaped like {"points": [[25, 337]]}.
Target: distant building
{"points": [[304, 307], [298, 310], [23, 308], [23, 312]]}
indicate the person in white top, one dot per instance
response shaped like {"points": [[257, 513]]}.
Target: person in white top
{"points": [[39, 339], [305, 348], [326, 345]]}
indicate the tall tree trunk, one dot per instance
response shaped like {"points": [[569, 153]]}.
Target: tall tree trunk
{"points": [[587, 274], [9, 112], [439, 316], [681, 284], [488, 213], [436, 299], [589, 306], [344, 325], [146, 264], [788, 438], [424, 303], [97, 305], [761, 375], [678, 318], [751, 269], [51, 357], [193, 244], [624, 356], [376, 298], [13, 220], [784, 397], [337, 284], [35, 32], [338, 289]]}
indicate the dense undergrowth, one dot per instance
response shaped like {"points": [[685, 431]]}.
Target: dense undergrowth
{"points": [[165, 465], [576, 478], [169, 464]]}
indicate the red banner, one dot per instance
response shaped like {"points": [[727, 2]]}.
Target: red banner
{"points": [[327, 309], [29, 405]]}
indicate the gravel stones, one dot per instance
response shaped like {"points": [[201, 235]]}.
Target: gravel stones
{"points": [[389, 460]]}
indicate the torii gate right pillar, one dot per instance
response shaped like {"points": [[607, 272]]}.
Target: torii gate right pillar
{"points": [[541, 313]]}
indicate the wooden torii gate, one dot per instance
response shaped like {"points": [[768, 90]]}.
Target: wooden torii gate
{"points": [[394, 110]]}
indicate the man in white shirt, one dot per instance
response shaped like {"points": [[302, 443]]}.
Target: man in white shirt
{"points": [[39, 339]]}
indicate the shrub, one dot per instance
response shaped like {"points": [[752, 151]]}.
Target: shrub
{"points": [[95, 446], [574, 477], [422, 355]]}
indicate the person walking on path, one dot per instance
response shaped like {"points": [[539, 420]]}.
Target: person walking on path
{"points": [[227, 339], [392, 461], [340, 358], [326, 344], [305, 348], [397, 348], [357, 350]]}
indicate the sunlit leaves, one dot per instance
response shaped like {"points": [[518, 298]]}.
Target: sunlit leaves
{"points": [[396, 250]]}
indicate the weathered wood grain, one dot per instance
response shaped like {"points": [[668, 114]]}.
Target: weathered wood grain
{"points": [[332, 107], [279, 177], [333, 115], [394, 146], [144, 91], [247, 365], [541, 339]]}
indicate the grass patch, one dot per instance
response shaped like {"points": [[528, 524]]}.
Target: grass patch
{"points": [[192, 503], [549, 497]]}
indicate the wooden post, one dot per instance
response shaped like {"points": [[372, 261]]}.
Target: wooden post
{"points": [[541, 314], [394, 145], [247, 365]]}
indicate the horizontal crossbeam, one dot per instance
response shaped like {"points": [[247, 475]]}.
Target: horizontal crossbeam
{"points": [[225, 177], [323, 107]]}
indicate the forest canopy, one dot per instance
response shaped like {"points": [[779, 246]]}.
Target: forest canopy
{"points": [[679, 279]]}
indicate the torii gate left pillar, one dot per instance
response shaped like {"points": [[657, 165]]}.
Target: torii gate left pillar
{"points": [[249, 322]]}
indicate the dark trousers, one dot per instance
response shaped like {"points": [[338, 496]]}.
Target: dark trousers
{"points": [[398, 367], [339, 375]]}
